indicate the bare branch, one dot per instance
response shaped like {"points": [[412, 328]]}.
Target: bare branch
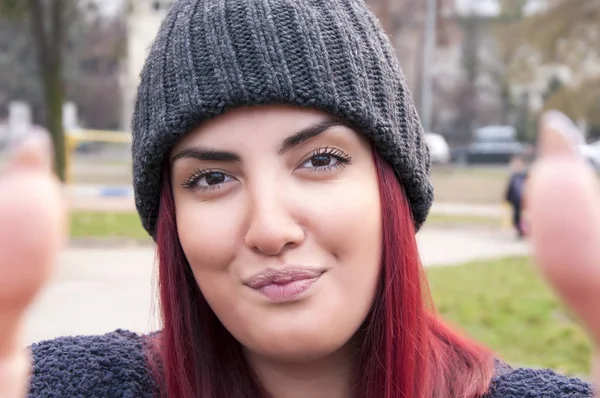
{"points": [[18, 44], [58, 32], [406, 14], [12, 9], [38, 31], [560, 21]]}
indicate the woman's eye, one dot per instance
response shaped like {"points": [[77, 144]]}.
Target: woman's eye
{"points": [[321, 160], [207, 180], [212, 178]]}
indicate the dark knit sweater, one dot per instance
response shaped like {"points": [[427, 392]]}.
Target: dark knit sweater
{"points": [[114, 365]]}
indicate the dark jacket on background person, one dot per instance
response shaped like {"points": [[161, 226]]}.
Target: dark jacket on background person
{"points": [[516, 188], [514, 195]]}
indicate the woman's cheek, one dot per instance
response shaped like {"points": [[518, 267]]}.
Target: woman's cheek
{"points": [[208, 236], [351, 215]]}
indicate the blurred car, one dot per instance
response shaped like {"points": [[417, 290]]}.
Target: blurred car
{"points": [[438, 148], [492, 145], [3, 135], [591, 153]]}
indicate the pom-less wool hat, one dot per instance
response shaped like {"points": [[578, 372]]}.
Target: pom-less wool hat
{"points": [[214, 55]]}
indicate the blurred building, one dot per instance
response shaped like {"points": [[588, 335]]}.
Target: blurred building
{"points": [[143, 22]]}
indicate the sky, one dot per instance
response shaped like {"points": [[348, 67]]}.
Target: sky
{"points": [[484, 7], [488, 7], [492, 7], [110, 6]]}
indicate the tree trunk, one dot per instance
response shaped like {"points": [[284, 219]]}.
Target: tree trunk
{"points": [[471, 65], [48, 35], [54, 95], [505, 98]]}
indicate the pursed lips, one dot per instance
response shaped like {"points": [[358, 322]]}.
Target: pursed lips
{"points": [[282, 276], [285, 284]]}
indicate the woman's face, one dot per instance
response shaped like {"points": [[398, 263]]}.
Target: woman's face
{"points": [[278, 213]]}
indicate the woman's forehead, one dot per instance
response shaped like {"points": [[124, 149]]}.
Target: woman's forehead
{"points": [[259, 124]]}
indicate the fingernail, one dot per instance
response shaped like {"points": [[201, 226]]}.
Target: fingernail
{"points": [[558, 135], [18, 140], [563, 123], [32, 149]]}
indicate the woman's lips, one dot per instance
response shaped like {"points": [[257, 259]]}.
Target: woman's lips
{"points": [[284, 284], [281, 293]]}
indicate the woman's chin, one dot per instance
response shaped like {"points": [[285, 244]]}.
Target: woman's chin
{"points": [[294, 353], [296, 347]]}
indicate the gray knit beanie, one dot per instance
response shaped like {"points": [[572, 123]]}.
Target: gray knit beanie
{"points": [[213, 55]]}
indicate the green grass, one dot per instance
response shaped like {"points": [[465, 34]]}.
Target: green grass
{"points": [[505, 305], [488, 171], [106, 225]]}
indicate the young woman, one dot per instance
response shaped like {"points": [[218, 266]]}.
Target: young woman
{"points": [[280, 166]]}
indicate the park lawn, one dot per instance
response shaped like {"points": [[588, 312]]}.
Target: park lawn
{"points": [[460, 220], [85, 224], [482, 185], [506, 306], [469, 185]]}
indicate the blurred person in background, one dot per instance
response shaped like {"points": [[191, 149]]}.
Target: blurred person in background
{"points": [[515, 193], [280, 167]]}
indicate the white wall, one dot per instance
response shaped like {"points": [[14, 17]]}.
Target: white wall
{"points": [[143, 23]]}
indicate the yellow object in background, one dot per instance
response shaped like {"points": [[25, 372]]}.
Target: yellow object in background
{"points": [[74, 137]]}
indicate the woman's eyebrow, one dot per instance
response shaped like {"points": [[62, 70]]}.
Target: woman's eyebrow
{"points": [[207, 154], [307, 133]]}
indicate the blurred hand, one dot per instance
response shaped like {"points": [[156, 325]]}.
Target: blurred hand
{"points": [[32, 226], [564, 213]]}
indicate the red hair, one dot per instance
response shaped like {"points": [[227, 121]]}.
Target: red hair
{"points": [[406, 351]]}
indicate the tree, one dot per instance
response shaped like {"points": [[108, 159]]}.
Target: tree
{"points": [[91, 68], [569, 33], [580, 102], [48, 21], [471, 65], [557, 30], [17, 66], [566, 34], [512, 13], [93, 71]]}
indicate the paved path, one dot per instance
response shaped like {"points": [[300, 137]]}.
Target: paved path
{"points": [[472, 209], [101, 197], [99, 290], [445, 247], [93, 203], [95, 291]]}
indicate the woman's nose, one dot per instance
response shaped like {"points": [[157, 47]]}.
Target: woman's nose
{"points": [[272, 226]]}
